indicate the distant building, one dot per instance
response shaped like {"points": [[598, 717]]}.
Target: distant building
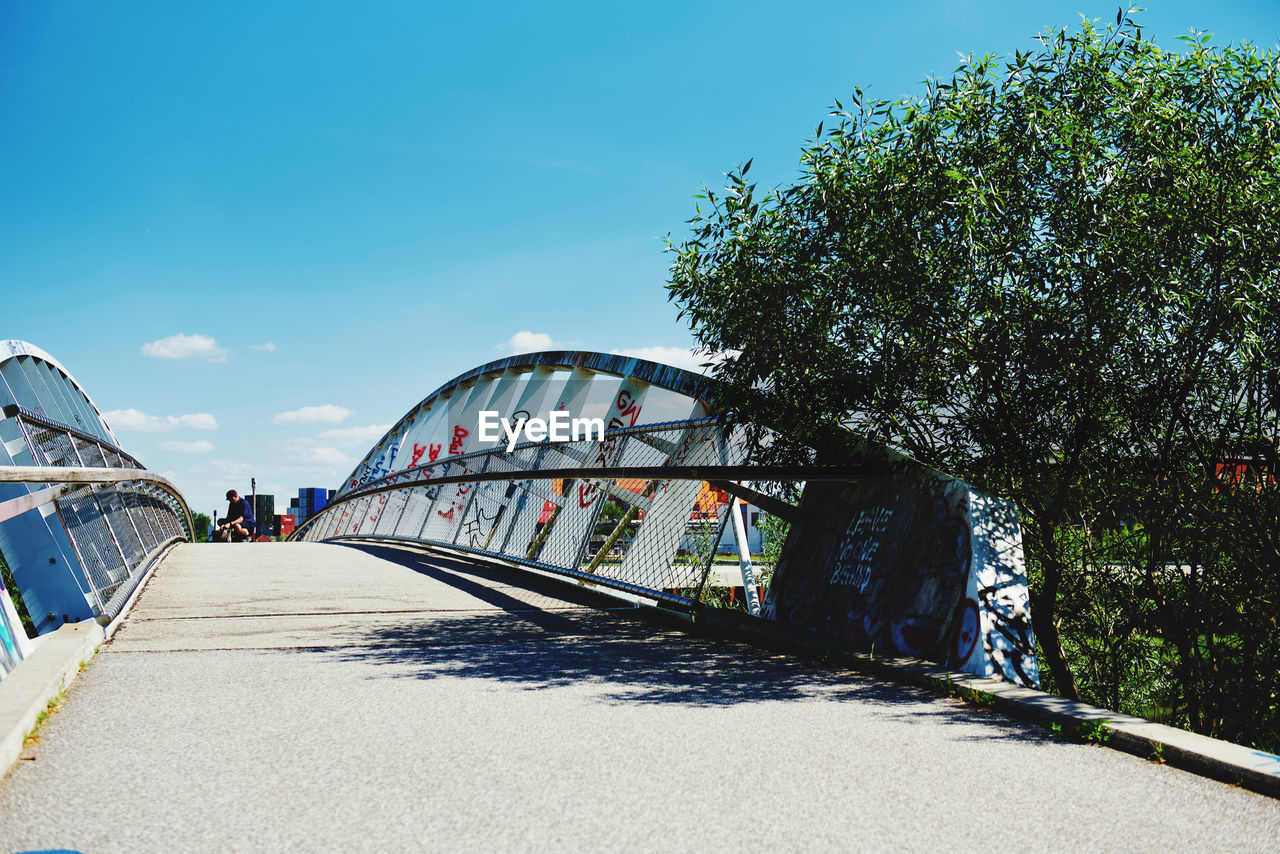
{"points": [[264, 511], [311, 500]]}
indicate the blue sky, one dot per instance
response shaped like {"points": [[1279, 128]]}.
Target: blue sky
{"points": [[340, 206]]}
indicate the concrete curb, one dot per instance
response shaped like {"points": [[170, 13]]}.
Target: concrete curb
{"points": [[1209, 757], [40, 678]]}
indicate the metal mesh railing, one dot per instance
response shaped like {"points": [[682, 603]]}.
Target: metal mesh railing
{"points": [[643, 510], [112, 527], [886, 554]]}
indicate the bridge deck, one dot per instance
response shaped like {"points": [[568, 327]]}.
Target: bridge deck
{"points": [[322, 697]]}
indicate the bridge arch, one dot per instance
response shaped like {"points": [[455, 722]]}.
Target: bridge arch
{"points": [[81, 520], [496, 386], [882, 552], [36, 381]]}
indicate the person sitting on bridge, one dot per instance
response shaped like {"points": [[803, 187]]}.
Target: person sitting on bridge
{"points": [[239, 517]]}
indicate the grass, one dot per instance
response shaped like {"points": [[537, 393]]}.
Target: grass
{"points": [[964, 694], [50, 708], [85, 662], [55, 702]]}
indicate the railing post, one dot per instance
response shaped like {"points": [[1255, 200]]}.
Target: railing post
{"points": [[744, 557]]}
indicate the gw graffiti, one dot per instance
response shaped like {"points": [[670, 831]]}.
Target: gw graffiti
{"points": [[559, 427]]}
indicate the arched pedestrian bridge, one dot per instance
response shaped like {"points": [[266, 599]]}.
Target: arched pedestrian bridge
{"points": [[394, 682]]}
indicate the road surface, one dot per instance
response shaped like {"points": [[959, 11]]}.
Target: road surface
{"points": [[308, 697]]}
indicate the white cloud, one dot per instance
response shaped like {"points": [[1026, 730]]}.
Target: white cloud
{"points": [[186, 347], [133, 419], [677, 357], [199, 446], [348, 437], [527, 342], [322, 455], [326, 414], [215, 467], [269, 347]]}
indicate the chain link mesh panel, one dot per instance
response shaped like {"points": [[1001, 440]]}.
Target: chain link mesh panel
{"points": [[103, 565], [136, 502], [52, 447], [112, 527], [648, 525], [90, 454]]}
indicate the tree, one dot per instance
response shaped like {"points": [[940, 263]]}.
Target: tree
{"points": [[202, 525], [1054, 276]]}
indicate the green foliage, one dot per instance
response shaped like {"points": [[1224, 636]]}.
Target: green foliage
{"points": [[1056, 276], [773, 530], [611, 510], [1085, 732], [1094, 732], [706, 535], [21, 607], [773, 533], [979, 698], [202, 525]]}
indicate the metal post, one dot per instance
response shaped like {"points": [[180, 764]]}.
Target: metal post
{"points": [[744, 559], [521, 498]]}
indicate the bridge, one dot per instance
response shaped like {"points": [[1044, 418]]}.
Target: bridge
{"points": [[466, 650]]}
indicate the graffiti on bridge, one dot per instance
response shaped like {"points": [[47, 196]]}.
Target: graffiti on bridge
{"points": [[910, 562]]}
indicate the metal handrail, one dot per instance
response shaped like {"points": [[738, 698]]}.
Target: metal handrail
{"points": [[799, 474], [722, 476], [72, 475]]}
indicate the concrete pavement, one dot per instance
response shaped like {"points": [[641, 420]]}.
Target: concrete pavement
{"points": [[323, 697], [37, 685]]}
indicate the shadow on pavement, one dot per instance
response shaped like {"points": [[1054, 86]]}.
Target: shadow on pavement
{"points": [[633, 659]]}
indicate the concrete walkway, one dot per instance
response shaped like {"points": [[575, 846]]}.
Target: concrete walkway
{"points": [[335, 698]]}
